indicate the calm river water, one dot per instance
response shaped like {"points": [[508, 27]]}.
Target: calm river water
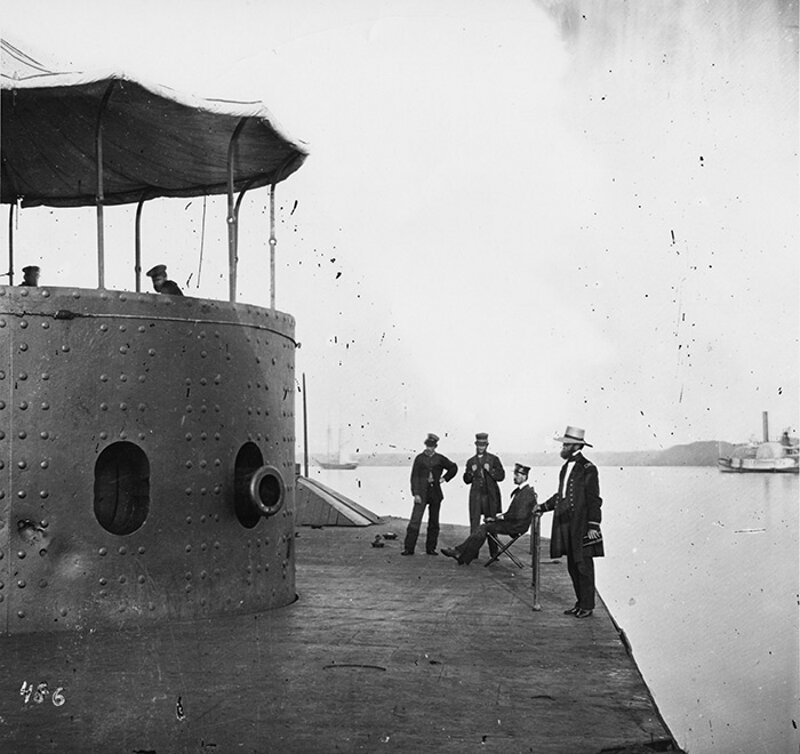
{"points": [[702, 574]]}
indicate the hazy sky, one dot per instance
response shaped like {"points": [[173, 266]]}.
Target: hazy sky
{"points": [[514, 216]]}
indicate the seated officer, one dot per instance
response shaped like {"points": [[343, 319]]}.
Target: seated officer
{"points": [[516, 520], [160, 282]]}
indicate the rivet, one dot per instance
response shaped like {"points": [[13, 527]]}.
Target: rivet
{"points": [[122, 550], [46, 325], [2, 374], [75, 294], [122, 328], [2, 405], [123, 406], [45, 375], [141, 551], [203, 435], [22, 464], [45, 406], [42, 553], [141, 579], [22, 434], [123, 435], [103, 551], [22, 375], [141, 328], [188, 435], [65, 349], [203, 381], [188, 588], [21, 494], [21, 583], [203, 546], [104, 407], [103, 592], [2, 495], [203, 575], [188, 490], [23, 324], [103, 435], [123, 378], [122, 579], [63, 612], [151, 351], [2, 323], [103, 582], [21, 613], [2, 435], [142, 378], [188, 548], [104, 328], [188, 381], [151, 606], [188, 519], [203, 354], [23, 405], [21, 554], [188, 409], [216, 545], [123, 349], [44, 494]]}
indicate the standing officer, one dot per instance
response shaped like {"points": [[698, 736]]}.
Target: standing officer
{"points": [[483, 471], [426, 478], [576, 521], [160, 282]]}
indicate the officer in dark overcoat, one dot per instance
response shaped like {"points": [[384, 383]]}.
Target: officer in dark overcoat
{"points": [[576, 519], [426, 487]]}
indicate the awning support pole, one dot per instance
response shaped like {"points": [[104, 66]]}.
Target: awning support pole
{"points": [[273, 242], [100, 196], [137, 264], [11, 243], [232, 234]]}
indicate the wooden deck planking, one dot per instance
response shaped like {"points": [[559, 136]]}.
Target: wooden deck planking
{"points": [[379, 653]]}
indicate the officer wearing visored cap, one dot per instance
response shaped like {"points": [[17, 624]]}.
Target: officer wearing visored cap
{"points": [[426, 479], [160, 282], [482, 473], [576, 521]]}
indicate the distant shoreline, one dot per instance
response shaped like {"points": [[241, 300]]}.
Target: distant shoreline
{"points": [[701, 453]]}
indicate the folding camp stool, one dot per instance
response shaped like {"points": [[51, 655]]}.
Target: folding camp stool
{"points": [[504, 549]]}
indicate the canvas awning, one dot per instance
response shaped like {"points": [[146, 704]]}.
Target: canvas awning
{"points": [[155, 142]]}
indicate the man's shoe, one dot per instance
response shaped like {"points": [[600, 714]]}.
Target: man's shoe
{"points": [[431, 552], [449, 552], [406, 552], [583, 613], [571, 611]]}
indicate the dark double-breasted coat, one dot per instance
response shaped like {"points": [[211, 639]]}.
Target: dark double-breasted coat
{"points": [[484, 492], [581, 504]]}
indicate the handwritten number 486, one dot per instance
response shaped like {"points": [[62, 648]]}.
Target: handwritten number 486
{"points": [[39, 693]]}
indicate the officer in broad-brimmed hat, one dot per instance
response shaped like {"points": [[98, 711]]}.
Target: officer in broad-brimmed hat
{"points": [[482, 473], [426, 479], [576, 521], [30, 276], [160, 282]]}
